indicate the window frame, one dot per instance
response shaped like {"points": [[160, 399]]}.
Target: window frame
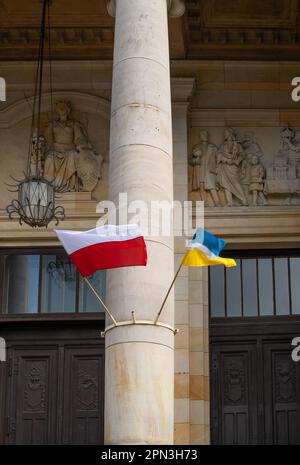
{"points": [[40, 315], [256, 254]]}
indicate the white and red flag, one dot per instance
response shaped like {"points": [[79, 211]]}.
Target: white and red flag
{"points": [[104, 247]]}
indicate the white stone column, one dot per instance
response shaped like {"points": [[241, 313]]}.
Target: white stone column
{"points": [[139, 380]]}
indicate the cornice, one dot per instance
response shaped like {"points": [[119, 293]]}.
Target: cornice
{"points": [[182, 89]]}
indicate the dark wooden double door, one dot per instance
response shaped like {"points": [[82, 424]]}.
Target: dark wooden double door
{"points": [[255, 384], [52, 386]]}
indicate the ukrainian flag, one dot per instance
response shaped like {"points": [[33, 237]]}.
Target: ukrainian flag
{"points": [[204, 250]]}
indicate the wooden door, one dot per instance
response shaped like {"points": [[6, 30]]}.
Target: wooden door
{"points": [[234, 403], [32, 396], [52, 386], [255, 384], [83, 396], [282, 395]]}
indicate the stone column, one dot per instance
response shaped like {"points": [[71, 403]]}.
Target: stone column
{"points": [[139, 379]]}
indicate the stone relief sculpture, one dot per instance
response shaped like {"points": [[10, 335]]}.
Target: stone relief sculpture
{"points": [[235, 172], [230, 159], [250, 145], [256, 181], [283, 176], [204, 172], [232, 173], [70, 159], [294, 153]]}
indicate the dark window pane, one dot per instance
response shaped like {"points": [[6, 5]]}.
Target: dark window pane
{"points": [[295, 284], [58, 284], [233, 290], [87, 300], [249, 287], [217, 291], [281, 286], [265, 286], [21, 283]]}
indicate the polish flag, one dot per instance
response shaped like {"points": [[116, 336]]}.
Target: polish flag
{"points": [[104, 247]]}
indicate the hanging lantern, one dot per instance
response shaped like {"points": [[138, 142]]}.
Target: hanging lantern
{"points": [[35, 205]]}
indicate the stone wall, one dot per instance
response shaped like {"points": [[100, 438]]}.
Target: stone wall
{"points": [[252, 98], [248, 97]]}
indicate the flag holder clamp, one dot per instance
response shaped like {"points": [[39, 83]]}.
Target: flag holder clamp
{"points": [[139, 323], [134, 321]]}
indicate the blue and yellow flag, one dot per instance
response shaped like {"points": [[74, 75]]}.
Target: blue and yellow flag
{"points": [[204, 250]]}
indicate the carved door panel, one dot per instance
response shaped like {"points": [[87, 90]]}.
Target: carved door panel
{"points": [[234, 404], [32, 396], [83, 396], [282, 395]]}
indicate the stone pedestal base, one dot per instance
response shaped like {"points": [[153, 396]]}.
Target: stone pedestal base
{"points": [[77, 202]]}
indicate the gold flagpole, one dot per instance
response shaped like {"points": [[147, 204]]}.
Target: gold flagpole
{"points": [[100, 300], [168, 293]]}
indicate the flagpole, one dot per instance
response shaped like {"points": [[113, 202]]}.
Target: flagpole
{"points": [[100, 300], [168, 293]]}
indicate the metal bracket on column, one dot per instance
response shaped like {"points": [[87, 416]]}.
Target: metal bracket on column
{"points": [[141, 323], [176, 7]]}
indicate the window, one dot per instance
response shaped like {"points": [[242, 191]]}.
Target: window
{"points": [[47, 283], [257, 286]]}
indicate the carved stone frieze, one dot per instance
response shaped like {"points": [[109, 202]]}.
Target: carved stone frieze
{"points": [[239, 171], [218, 29], [65, 41], [230, 29], [283, 176]]}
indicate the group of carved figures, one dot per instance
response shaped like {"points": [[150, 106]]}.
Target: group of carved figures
{"points": [[232, 168], [286, 166], [65, 155], [234, 174]]}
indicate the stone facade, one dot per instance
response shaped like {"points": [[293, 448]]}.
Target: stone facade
{"points": [[252, 99], [242, 226]]}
